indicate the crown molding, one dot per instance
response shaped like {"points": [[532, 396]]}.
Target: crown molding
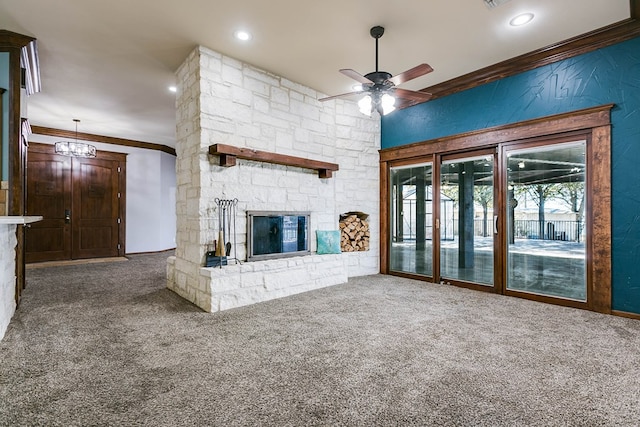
{"points": [[9, 39], [59, 133], [593, 40]]}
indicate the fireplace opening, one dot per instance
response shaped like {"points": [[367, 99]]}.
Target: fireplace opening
{"points": [[277, 234]]}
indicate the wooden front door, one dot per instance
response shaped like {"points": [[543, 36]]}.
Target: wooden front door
{"points": [[81, 201]]}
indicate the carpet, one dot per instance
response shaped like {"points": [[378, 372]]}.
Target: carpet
{"points": [[107, 344]]}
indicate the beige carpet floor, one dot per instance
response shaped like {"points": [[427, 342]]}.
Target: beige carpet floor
{"points": [[108, 345]]}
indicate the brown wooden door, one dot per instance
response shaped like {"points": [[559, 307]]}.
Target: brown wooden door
{"points": [[95, 208], [49, 195], [81, 202]]}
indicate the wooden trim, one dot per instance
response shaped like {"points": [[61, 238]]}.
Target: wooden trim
{"points": [[17, 150], [547, 299], [420, 277], [2, 91], [601, 218], [229, 153], [59, 133], [42, 147], [634, 7], [436, 213], [122, 205], [626, 314], [500, 207], [13, 43], [384, 218], [11, 40], [550, 125], [593, 40]]}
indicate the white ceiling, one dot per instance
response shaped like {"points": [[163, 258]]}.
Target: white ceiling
{"points": [[109, 63]]}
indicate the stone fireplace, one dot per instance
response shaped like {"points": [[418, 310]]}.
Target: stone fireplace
{"points": [[223, 103]]}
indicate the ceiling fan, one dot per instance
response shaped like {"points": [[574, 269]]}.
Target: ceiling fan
{"points": [[380, 88]]}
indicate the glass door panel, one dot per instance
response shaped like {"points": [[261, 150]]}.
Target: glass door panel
{"points": [[411, 219], [546, 250], [467, 220]]}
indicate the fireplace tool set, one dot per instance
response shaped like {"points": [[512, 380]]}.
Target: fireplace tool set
{"points": [[221, 253]]}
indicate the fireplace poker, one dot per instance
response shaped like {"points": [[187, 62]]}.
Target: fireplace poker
{"points": [[235, 212], [220, 243], [224, 222]]}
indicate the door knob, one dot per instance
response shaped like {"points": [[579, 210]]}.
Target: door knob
{"points": [[67, 216]]}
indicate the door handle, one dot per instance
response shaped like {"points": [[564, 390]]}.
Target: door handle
{"points": [[67, 216], [495, 224]]}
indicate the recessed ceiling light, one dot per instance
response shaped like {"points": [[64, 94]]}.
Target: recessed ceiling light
{"points": [[173, 89], [521, 19], [242, 35]]}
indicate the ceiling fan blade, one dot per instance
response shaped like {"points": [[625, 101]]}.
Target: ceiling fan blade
{"points": [[342, 95], [417, 71], [411, 94], [355, 75]]}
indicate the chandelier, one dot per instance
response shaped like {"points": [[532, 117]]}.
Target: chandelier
{"points": [[75, 149]]}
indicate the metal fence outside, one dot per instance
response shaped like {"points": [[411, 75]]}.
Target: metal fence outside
{"points": [[568, 231]]}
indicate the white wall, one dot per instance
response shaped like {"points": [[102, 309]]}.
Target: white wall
{"points": [[151, 185]]}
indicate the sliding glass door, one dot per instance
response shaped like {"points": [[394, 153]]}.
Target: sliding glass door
{"points": [[546, 200], [453, 221], [466, 220], [411, 219]]}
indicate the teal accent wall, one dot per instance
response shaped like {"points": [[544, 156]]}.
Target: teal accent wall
{"points": [[604, 76], [4, 83]]}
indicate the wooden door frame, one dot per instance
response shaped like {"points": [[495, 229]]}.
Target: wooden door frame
{"points": [[435, 248], [547, 141], [121, 159], [595, 123]]}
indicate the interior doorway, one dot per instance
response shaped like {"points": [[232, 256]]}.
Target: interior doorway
{"points": [[82, 201]]}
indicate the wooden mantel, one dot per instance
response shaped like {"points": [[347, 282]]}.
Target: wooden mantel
{"points": [[229, 153]]}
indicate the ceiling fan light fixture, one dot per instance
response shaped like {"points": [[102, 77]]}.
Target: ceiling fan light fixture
{"points": [[379, 87], [366, 105], [388, 104]]}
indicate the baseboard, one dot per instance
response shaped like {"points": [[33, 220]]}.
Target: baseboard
{"points": [[67, 262], [151, 252], [626, 314]]}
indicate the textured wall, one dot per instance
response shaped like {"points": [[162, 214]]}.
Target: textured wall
{"points": [[609, 75]]}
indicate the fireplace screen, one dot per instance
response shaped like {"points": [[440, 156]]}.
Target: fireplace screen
{"points": [[277, 234]]}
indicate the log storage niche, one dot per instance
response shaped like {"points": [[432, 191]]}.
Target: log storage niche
{"points": [[354, 232]]}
